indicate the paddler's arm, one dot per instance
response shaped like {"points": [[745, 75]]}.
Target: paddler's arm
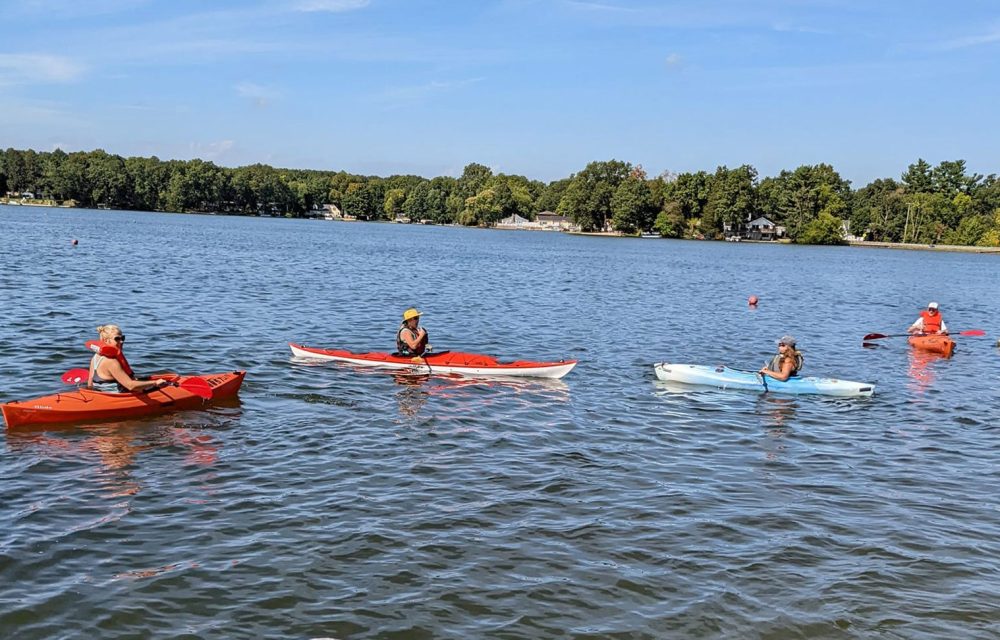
{"points": [[413, 341], [916, 327], [123, 380], [784, 374]]}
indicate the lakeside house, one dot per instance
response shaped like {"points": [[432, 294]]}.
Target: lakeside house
{"points": [[551, 220], [515, 222], [760, 229], [544, 221], [333, 212]]}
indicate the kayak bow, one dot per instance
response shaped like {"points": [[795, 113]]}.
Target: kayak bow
{"points": [[450, 362], [724, 377], [87, 405]]}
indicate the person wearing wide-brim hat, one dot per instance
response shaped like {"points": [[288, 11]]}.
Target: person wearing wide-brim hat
{"points": [[411, 339], [786, 363]]}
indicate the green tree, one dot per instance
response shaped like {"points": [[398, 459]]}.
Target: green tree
{"points": [[949, 179], [195, 186], [992, 236], [481, 209], [587, 199], [879, 211], [24, 170], [690, 191], [917, 178], [824, 229], [796, 198], [732, 199], [364, 200], [393, 203], [552, 194], [970, 230], [107, 179], [149, 180], [632, 207], [416, 205], [473, 180], [670, 220]]}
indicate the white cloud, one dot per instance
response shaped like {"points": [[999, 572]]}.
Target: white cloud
{"points": [[259, 95], [211, 150], [788, 27], [75, 8], [32, 68], [970, 41], [674, 61], [401, 96], [597, 6], [331, 6]]}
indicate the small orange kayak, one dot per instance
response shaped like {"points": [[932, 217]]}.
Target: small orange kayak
{"points": [[87, 405], [933, 343]]}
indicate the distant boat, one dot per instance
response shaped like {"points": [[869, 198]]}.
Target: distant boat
{"points": [[649, 234]]}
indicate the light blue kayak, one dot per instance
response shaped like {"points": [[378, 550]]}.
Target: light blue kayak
{"points": [[726, 378]]}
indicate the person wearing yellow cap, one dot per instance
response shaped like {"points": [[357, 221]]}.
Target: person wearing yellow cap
{"points": [[411, 339]]}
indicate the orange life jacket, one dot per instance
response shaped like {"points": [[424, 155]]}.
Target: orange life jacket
{"points": [[114, 353], [932, 323]]}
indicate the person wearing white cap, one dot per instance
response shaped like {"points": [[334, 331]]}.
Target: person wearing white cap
{"points": [[786, 363], [930, 321], [411, 339]]}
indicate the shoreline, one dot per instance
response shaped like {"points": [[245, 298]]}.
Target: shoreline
{"points": [[948, 248], [907, 246]]}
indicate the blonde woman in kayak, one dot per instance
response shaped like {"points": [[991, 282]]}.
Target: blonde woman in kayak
{"points": [[411, 339], [786, 363], [109, 370]]}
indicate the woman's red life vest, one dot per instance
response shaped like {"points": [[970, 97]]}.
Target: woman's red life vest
{"points": [[114, 353], [932, 323]]}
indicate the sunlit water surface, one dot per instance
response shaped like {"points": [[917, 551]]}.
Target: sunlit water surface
{"points": [[330, 502]]}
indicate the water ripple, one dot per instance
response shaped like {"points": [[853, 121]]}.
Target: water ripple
{"points": [[334, 503]]}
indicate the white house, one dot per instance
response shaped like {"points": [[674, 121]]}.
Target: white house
{"points": [[551, 221], [514, 222]]}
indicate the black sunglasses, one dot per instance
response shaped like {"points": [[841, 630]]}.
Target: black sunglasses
{"points": [[119, 338]]}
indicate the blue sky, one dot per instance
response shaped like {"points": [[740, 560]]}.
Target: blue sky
{"points": [[533, 87]]}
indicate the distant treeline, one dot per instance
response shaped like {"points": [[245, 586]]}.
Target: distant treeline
{"points": [[932, 205]]}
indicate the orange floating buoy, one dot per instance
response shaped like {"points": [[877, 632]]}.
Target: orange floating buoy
{"points": [[752, 301]]}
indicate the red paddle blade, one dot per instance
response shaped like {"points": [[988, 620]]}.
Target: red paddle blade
{"points": [[197, 386], [972, 332], [75, 376]]}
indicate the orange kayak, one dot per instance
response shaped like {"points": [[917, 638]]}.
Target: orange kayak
{"points": [[934, 343], [87, 405]]}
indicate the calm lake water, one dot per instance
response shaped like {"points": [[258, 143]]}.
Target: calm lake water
{"points": [[330, 503]]}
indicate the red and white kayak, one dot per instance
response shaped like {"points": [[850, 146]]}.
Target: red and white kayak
{"points": [[445, 362]]}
